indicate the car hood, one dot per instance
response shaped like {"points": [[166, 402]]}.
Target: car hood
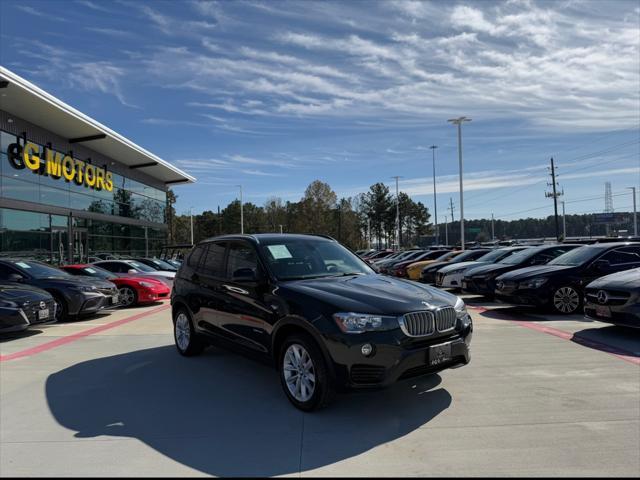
{"points": [[377, 294], [626, 280], [492, 268], [159, 273], [537, 271], [461, 265], [436, 265], [20, 293], [63, 282]]}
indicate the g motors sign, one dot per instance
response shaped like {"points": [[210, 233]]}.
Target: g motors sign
{"points": [[45, 161]]}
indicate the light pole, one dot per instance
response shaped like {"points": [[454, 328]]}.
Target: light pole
{"points": [[191, 215], [446, 232], [635, 215], [241, 212], [458, 121], [435, 203], [397, 213]]}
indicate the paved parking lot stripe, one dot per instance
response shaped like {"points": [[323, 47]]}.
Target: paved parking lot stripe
{"points": [[626, 356], [77, 336]]}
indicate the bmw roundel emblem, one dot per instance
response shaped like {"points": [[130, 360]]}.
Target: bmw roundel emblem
{"points": [[602, 297]]}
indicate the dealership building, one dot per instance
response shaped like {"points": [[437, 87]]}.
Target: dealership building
{"points": [[70, 187]]}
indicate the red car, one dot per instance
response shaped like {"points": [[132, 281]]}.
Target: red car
{"points": [[131, 290]]}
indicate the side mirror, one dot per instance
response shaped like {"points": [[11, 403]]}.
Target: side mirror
{"points": [[15, 277], [132, 271], [244, 275]]}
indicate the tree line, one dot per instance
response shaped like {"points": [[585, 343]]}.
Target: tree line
{"points": [[367, 219]]}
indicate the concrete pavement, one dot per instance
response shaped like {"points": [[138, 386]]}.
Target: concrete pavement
{"points": [[121, 401]]}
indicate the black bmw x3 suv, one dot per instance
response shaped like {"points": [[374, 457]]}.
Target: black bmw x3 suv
{"points": [[316, 311]]}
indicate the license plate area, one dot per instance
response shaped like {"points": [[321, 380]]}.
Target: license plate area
{"points": [[115, 299], [603, 311], [439, 354], [43, 314]]}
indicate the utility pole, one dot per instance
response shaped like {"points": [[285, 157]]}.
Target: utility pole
{"points": [[635, 214], [241, 212], [564, 223], [280, 229], [397, 212], [446, 231], [451, 208], [435, 202], [459, 121], [555, 194], [493, 235]]}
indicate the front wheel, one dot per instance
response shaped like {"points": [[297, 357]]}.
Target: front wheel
{"points": [[566, 300], [303, 373], [187, 341], [62, 310], [128, 296]]}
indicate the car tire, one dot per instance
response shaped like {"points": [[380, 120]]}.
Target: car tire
{"points": [[187, 341], [62, 309], [566, 300], [128, 296], [304, 374]]}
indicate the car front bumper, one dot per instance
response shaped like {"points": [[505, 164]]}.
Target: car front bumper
{"points": [[148, 295], [395, 357], [624, 315]]}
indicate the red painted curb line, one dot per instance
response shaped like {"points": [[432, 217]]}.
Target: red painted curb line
{"points": [[603, 347], [77, 336]]}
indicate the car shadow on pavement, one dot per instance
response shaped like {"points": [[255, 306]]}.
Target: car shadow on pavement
{"points": [[611, 339], [226, 415]]}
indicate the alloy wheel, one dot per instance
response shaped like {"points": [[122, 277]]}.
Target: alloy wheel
{"points": [[59, 309], [299, 372], [183, 331], [566, 300], [127, 296]]}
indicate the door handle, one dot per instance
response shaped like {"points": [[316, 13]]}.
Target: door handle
{"points": [[241, 291]]}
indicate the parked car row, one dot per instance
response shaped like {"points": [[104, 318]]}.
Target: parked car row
{"points": [[32, 292], [565, 278]]}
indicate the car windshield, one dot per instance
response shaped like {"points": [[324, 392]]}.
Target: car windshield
{"points": [[98, 272], [518, 257], [162, 264], [493, 256], [39, 270], [446, 256], [141, 266], [302, 259], [577, 256], [468, 255]]}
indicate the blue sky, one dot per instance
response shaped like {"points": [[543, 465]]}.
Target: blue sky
{"points": [[273, 95]]}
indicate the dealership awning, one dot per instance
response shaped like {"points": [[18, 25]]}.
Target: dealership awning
{"points": [[23, 99]]}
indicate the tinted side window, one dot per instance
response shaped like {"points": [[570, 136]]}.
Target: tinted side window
{"points": [[196, 255], [5, 271], [241, 255], [213, 263], [622, 256], [108, 266]]}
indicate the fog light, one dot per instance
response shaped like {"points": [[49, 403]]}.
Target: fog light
{"points": [[367, 349]]}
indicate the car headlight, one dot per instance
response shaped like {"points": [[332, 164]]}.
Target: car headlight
{"points": [[455, 272], [147, 284], [533, 283], [84, 288], [464, 319], [363, 322]]}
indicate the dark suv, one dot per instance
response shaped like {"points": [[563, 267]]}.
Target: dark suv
{"points": [[318, 312]]}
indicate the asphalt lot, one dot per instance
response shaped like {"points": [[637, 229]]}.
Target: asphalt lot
{"points": [[109, 396]]}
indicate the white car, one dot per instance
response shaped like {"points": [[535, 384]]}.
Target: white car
{"points": [[451, 275], [133, 268]]}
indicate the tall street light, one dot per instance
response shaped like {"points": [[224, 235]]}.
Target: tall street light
{"points": [[458, 121], [191, 215], [241, 212], [435, 204], [635, 215], [397, 213]]}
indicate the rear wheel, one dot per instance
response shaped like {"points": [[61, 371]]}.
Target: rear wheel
{"points": [[566, 300], [187, 341], [303, 373], [128, 296]]}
